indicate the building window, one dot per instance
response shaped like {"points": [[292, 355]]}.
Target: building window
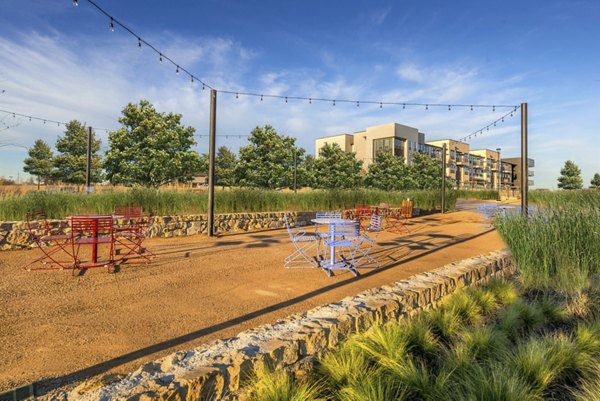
{"points": [[392, 145]]}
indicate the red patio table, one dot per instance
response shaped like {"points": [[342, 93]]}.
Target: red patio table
{"points": [[92, 229]]}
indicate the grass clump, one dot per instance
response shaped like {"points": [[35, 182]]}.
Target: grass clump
{"points": [[279, 386]]}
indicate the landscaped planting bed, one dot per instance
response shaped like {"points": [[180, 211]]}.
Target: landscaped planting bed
{"points": [[495, 342]]}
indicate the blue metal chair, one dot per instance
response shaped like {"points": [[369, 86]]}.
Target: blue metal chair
{"points": [[304, 242], [343, 247], [367, 240]]}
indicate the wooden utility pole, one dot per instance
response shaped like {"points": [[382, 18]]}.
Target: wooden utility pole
{"points": [[443, 178], [524, 161], [88, 168], [211, 163]]}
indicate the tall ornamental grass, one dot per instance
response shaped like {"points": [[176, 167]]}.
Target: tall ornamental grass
{"points": [[164, 202], [556, 248], [503, 345], [484, 194], [585, 198]]}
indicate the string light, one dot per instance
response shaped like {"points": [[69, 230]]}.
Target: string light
{"points": [[449, 108], [75, 3], [44, 120], [177, 70], [286, 99], [487, 127], [139, 42], [111, 26], [237, 96], [162, 56], [357, 104]]}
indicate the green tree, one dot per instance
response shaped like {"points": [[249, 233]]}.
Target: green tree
{"points": [[306, 171], [570, 176], [151, 148], [389, 173], [39, 163], [595, 183], [71, 162], [268, 162], [225, 162], [426, 172], [336, 169]]}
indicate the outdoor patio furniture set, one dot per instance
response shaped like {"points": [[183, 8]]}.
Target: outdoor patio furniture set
{"points": [[123, 233], [347, 243]]}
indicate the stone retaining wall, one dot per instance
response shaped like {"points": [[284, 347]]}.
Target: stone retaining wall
{"points": [[15, 235], [215, 370]]}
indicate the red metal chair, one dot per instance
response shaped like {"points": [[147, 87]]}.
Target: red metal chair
{"points": [[130, 232], [397, 219], [92, 230], [55, 246], [362, 214]]}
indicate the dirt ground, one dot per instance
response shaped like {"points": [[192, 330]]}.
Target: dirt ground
{"points": [[56, 328]]}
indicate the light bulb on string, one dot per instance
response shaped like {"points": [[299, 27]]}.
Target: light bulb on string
{"points": [[471, 107], [111, 26], [139, 42], [286, 100], [426, 107], [403, 106], [75, 3], [380, 105], [44, 121], [494, 108], [261, 98], [203, 86], [449, 108], [177, 70], [237, 96], [160, 57], [334, 102], [357, 104], [192, 78], [309, 100]]}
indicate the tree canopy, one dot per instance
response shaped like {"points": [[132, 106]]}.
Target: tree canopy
{"points": [[426, 172], [39, 163], [268, 161], [71, 162], [225, 161], [336, 169], [151, 148], [595, 182], [570, 176], [388, 173]]}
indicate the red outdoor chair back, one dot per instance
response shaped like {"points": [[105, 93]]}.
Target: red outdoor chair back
{"points": [[128, 211]]}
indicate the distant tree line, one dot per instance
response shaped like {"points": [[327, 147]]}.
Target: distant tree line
{"points": [[152, 149]]}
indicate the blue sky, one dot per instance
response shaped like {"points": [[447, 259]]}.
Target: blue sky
{"points": [[61, 62]]}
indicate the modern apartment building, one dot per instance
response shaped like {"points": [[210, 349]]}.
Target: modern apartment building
{"points": [[476, 169]]}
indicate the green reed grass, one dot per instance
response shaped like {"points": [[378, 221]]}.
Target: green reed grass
{"points": [[585, 198], [484, 194], [555, 248], [164, 202]]}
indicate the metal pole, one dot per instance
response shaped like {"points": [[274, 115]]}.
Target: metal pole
{"points": [[211, 163], [524, 163], [88, 169], [443, 178], [295, 172]]}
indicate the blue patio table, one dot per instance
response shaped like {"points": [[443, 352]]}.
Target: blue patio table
{"points": [[332, 223]]}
